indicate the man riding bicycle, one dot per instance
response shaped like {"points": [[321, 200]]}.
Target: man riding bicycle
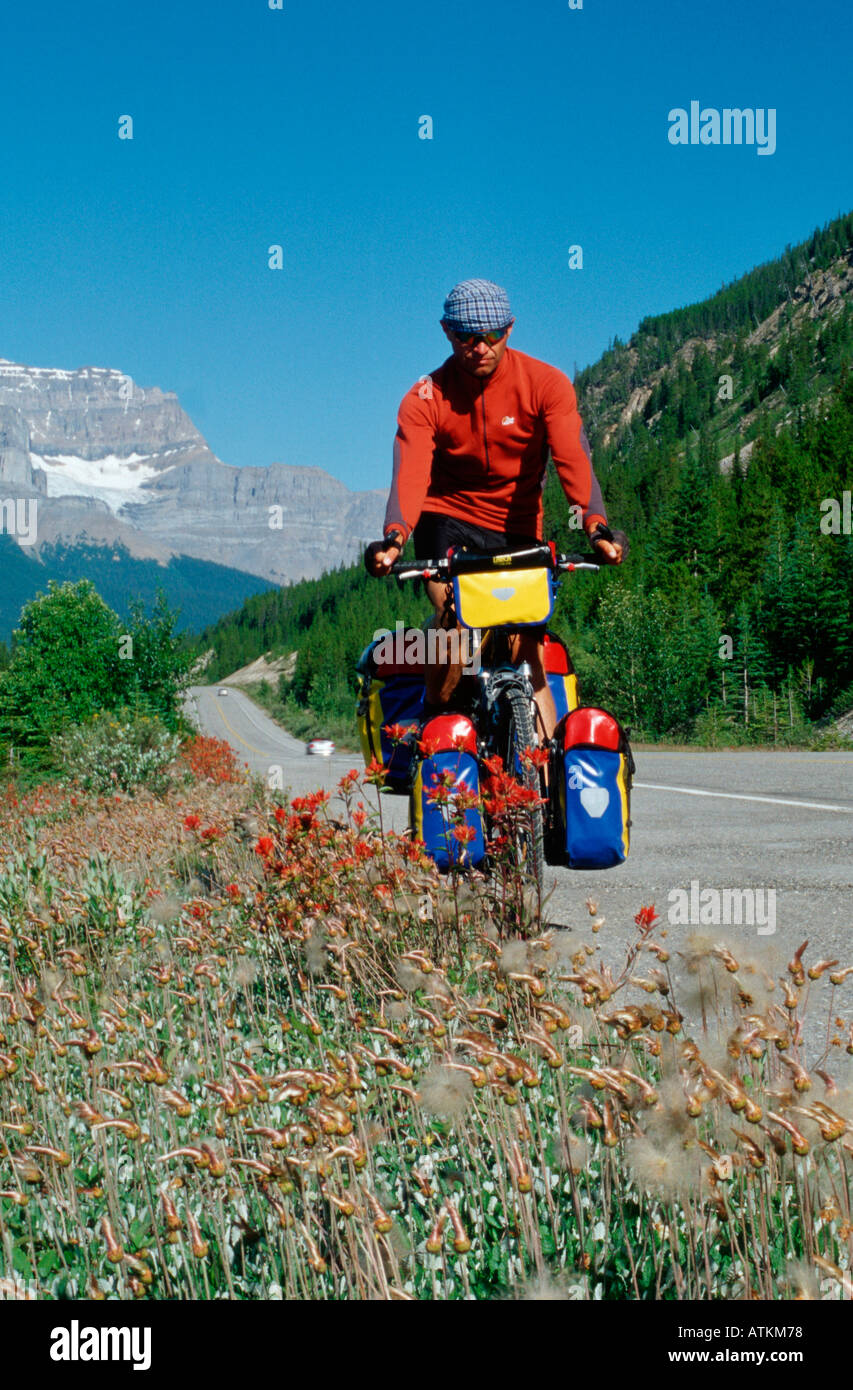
{"points": [[470, 454]]}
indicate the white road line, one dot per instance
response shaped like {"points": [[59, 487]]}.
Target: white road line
{"points": [[741, 796], [273, 734], [272, 731]]}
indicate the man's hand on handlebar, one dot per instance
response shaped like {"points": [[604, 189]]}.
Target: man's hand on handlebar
{"points": [[380, 555], [611, 547]]}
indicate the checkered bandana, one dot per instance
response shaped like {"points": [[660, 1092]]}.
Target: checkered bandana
{"points": [[476, 306]]}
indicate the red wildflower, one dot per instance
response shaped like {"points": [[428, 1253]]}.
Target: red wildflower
{"points": [[233, 890], [396, 732], [524, 796], [375, 773], [311, 801], [358, 818], [464, 834], [211, 758], [348, 781], [440, 795], [265, 845], [537, 757], [192, 822], [646, 917], [466, 800]]}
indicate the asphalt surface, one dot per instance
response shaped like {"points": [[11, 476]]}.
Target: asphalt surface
{"points": [[744, 820]]}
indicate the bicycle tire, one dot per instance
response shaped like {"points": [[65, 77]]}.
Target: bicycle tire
{"points": [[515, 732]]}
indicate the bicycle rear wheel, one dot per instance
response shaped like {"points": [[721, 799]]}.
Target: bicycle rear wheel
{"points": [[515, 733]]}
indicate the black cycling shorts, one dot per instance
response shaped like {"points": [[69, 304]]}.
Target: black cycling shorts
{"points": [[435, 534]]}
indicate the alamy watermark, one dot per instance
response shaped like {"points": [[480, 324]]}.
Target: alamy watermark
{"points": [[837, 518], [723, 907], [76, 1343], [433, 646], [19, 518], [729, 126]]}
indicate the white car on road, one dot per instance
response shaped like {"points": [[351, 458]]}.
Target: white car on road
{"points": [[320, 747]]}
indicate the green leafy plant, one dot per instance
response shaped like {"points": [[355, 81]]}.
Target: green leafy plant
{"points": [[117, 751]]}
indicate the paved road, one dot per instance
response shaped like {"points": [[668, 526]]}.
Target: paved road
{"points": [[779, 821]]}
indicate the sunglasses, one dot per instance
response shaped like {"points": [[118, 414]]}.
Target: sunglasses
{"points": [[469, 339]]}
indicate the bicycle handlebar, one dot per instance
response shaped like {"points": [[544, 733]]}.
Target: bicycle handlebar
{"points": [[468, 562]]}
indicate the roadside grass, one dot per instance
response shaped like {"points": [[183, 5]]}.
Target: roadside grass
{"points": [[258, 1050], [301, 721], [304, 722]]}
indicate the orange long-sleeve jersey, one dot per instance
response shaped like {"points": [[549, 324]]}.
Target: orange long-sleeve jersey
{"points": [[476, 449]]}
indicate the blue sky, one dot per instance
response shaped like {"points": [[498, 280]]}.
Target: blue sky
{"points": [[299, 127]]}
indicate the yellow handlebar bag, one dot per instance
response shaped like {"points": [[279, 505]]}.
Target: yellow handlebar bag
{"points": [[508, 598]]}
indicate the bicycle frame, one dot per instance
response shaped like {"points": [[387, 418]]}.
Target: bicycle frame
{"points": [[505, 717], [468, 562]]}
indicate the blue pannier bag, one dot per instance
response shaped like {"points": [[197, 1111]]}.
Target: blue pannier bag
{"points": [[390, 692], [562, 681], [448, 745], [591, 791]]}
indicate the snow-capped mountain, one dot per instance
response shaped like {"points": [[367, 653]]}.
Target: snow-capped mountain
{"points": [[110, 462]]}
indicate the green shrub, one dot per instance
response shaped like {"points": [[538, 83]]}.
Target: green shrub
{"points": [[117, 751], [73, 656]]}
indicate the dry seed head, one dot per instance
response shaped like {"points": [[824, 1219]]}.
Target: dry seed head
{"points": [[51, 979], [668, 1168], [574, 1153], [514, 957], [316, 955], [563, 946], [697, 947], [245, 972], [409, 977], [802, 1281], [541, 1289], [446, 1092], [165, 909], [399, 1241], [434, 1241]]}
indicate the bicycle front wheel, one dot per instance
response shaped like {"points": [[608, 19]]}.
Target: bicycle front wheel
{"points": [[515, 734]]}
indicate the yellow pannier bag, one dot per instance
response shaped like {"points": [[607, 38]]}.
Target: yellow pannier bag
{"points": [[517, 598]]}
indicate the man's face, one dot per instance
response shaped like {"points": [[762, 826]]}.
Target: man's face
{"points": [[480, 358]]}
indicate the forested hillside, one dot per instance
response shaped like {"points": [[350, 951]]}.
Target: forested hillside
{"points": [[198, 589], [723, 438]]}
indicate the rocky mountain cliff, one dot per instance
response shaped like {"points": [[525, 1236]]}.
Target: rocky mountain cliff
{"points": [[111, 463]]}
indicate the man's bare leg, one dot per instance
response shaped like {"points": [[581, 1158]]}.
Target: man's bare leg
{"points": [[525, 647], [443, 676]]}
